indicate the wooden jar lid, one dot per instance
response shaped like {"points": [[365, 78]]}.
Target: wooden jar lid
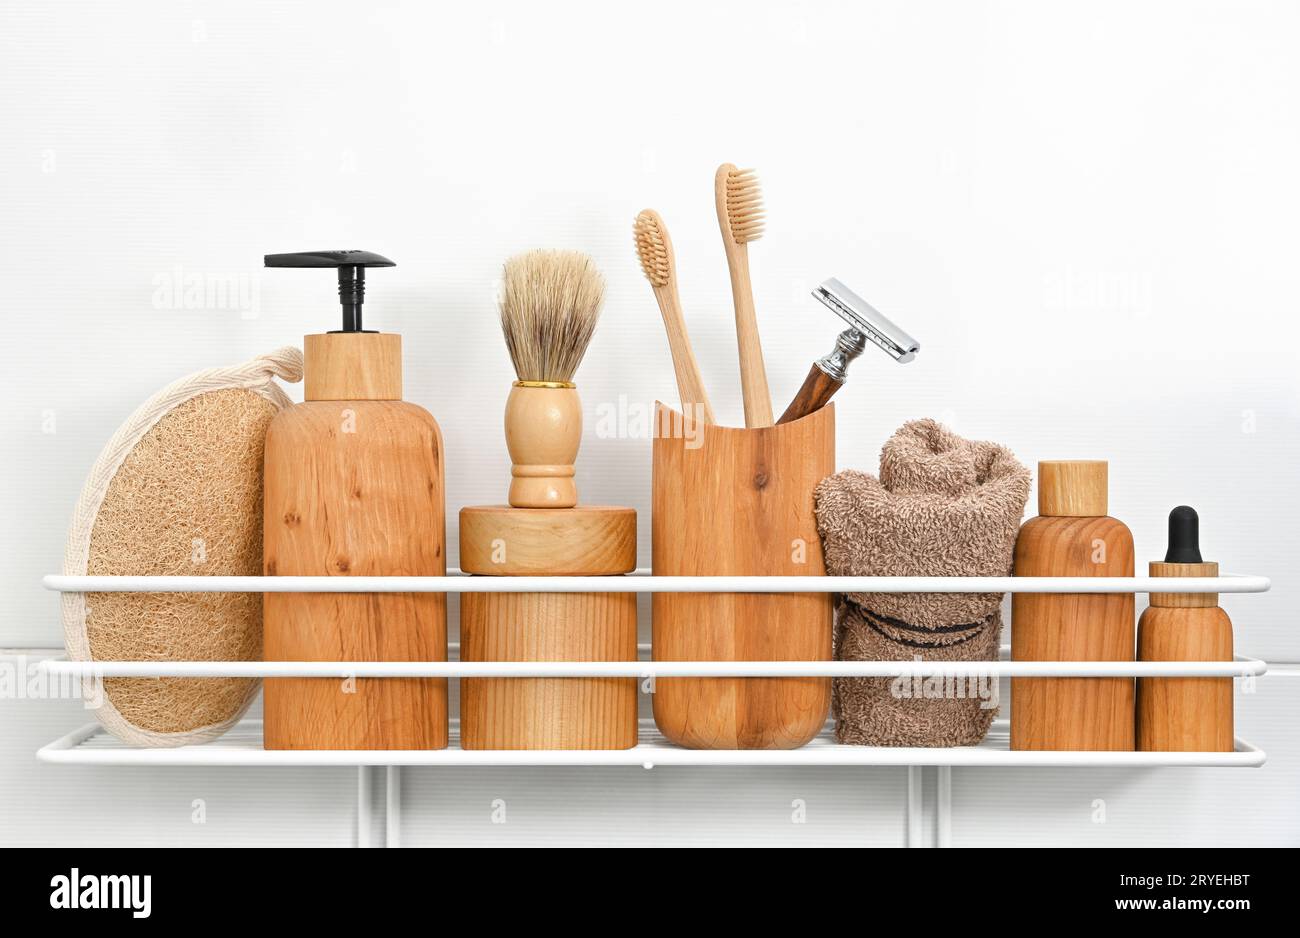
{"points": [[586, 540], [1073, 488], [352, 366]]}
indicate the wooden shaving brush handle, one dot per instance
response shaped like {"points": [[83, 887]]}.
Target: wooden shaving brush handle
{"points": [[543, 433]]}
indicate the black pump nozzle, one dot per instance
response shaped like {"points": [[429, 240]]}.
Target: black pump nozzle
{"points": [[352, 277], [1184, 536]]}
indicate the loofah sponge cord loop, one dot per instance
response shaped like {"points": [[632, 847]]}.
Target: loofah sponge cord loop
{"points": [[285, 363]]}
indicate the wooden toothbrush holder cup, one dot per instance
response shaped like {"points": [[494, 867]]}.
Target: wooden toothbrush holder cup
{"points": [[739, 502]]}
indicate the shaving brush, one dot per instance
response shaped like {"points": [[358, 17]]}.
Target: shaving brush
{"points": [[549, 305]]}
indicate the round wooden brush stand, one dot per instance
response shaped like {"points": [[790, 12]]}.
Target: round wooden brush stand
{"points": [[739, 502], [548, 713]]}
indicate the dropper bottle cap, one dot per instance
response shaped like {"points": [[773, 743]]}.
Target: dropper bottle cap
{"points": [[1183, 559], [1184, 536]]}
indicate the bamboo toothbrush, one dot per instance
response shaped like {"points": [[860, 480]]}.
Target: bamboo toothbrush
{"points": [[740, 217], [655, 250], [549, 307]]}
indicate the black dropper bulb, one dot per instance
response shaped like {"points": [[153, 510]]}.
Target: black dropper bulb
{"points": [[352, 277], [1184, 536]]}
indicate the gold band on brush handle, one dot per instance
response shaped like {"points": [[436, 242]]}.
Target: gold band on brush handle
{"points": [[544, 384]]}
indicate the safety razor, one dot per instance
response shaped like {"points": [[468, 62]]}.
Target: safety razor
{"points": [[866, 324]]}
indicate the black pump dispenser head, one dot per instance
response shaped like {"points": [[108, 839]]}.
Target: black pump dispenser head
{"points": [[352, 277], [1184, 536]]}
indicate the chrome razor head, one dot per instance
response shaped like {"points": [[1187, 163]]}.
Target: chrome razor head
{"points": [[865, 318]]}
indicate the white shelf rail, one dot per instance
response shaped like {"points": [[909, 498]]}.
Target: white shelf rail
{"points": [[643, 582], [1242, 666]]}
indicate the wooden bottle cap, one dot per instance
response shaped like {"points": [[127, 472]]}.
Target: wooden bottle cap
{"points": [[1184, 600], [586, 540], [352, 366], [1072, 488]]}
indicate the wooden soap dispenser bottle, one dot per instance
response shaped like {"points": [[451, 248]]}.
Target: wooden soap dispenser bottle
{"points": [[1073, 536], [1184, 714], [353, 487]]}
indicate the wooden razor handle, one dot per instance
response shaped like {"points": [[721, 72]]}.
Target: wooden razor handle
{"points": [[817, 390]]}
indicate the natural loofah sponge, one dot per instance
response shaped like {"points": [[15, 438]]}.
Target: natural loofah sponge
{"points": [[178, 491]]}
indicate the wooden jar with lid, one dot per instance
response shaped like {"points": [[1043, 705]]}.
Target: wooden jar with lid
{"points": [[1072, 536], [548, 713]]}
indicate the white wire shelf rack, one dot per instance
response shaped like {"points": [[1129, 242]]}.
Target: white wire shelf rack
{"points": [[242, 746]]}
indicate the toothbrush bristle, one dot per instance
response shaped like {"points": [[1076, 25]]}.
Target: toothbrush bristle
{"points": [[744, 205], [652, 248]]}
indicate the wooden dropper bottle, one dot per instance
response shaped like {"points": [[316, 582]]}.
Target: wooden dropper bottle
{"points": [[1184, 714], [353, 487]]}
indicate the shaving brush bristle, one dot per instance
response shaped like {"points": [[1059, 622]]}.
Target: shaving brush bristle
{"points": [[549, 306]]}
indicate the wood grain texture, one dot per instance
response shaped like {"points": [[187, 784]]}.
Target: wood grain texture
{"points": [[548, 713], [1072, 713], [353, 366], [1073, 488], [741, 504], [589, 540], [1184, 600], [543, 434], [1184, 714], [354, 488], [814, 394]]}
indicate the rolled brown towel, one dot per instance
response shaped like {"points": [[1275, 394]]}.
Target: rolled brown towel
{"points": [[943, 506]]}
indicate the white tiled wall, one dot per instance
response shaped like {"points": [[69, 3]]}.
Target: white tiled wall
{"points": [[1085, 213]]}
